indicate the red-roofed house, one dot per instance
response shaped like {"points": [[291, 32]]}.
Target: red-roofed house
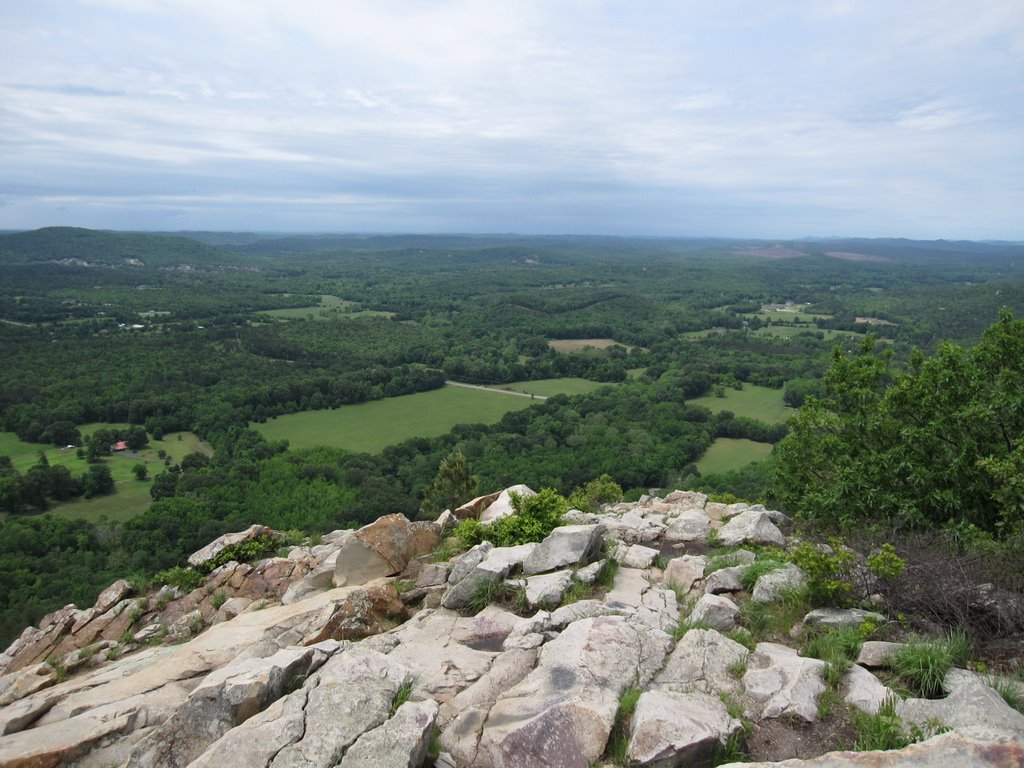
{"points": [[120, 445]]}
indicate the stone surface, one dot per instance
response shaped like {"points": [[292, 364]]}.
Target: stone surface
{"points": [[703, 660], [636, 556], [214, 548], [26, 681], [567, 545], [750, 526], [716, 611], [834, 618], [588, 574], [691, 525], [502, 505], [970, 702], [863, 690], [677, 729], [627, 592], [320, 579], [773, 585], [400, 742], [465, 591], [562, 712], [547, 589], [782, 682], [112, 595], [432, 575], [683, 572], [874, 654], [357, 563], [725, 580], [396, 540]]}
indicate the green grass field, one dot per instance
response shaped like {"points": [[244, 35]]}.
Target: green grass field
{"points": [[131, 496], [551, 387], [372, 426], [792, 330], [728, 453], [755, 402], [787, 317], [329, 308]]}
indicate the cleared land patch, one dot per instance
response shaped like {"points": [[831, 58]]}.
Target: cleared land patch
{"points": [[763, 403], [793, 330], [330, 307], [575, 345], [371, 426], [569, 385], [727, 453]]}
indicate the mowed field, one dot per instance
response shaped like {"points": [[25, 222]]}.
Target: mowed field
{"points": [[371, 426], [576, 345], [550, 387], [755, 402], [727, 453], [329, 307], [131, 496]]}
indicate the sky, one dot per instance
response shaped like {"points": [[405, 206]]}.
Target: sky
{"points": [[895, 118]]}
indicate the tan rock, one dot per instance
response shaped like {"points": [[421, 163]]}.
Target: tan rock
{"points": [[214, 548]]}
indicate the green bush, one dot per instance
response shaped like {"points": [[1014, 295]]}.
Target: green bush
{"points": [[242, 552], [469, 532], [603, 490], [829, 571], [886, 564], [882, 731], [185, 579]]}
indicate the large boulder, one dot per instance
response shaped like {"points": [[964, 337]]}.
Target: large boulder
{"points": [[502, 506], [561, 714], [753, 526], [864, 691], [683, 572], [716, 612], [970, 702], [214, 548], [382, 548], [773, 585], [703, 660], [677, 729], [784, 683], [400, 742], [567, 545]]}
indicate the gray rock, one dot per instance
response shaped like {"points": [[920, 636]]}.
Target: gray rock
{"points": [[783, 682], [589, 573], [25, 682], [562, 712], [751, 526], [970, 702], [773, 585], [687, 499], [319, 579], [636, 556], [978, 747], [627, 591], [502, 506], [562, 617], [863, 690], [834, 618], [724, 580], [432, 575], [683, 572], [703, 660], [547, 589], [400, 742], [232, 607], [468, 561], [568, 545], [716, 611], [659, 609], [358, 563], [676, 729], [509, 557], [875, 654], [690, 525], [214, 548], [485, 631], [462, 593]]}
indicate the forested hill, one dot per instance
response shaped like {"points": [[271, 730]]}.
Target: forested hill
{"points": [[99, 248]]}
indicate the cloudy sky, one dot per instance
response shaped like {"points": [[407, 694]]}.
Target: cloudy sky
{"points": [[689, 117]]}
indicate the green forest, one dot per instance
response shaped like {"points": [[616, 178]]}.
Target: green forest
{"points": [[905, 366]]}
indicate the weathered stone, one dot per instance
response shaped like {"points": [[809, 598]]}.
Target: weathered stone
{"points": [[215, 547], [487, 630], [690, 525], [703, 660], [509, 558], [783, 682], [683, 572], [26, 681], [834, 618], [863, 690], [875, 654], [970, 702], [502, 506], [400, 742], [232, 607], [562, 617], [464, 592], [676, 729], [359, 613], [716, 611], [226, 698], [112, 595], [773, 585], [636, 556], [320, 579], [627, 592], [473, 508], [396, 540], [979, 747], [358, 563], [567, 545], [468, 561], [687, 499], [547, 589], [659, 609], [149, 632], [588, 574], [432, 575], [725, 580], [751, 526], [562, 712]]}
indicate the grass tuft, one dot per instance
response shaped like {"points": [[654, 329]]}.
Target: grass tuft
{"points": [[921, 665], [618, 740], [401, 696]]}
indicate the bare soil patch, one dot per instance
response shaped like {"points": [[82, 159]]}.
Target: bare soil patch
{"points": [[575, 345], [852, 256]]}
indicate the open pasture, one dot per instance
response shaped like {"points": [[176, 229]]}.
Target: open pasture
{"points": [[726, 454], [762, 403]]}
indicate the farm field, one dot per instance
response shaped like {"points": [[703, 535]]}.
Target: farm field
{"points": [[329, 308], [755, 402], [551, 387], [788, 317], [792, 330], [371, 426], [728, 453], [577, 345], [131, 496]]}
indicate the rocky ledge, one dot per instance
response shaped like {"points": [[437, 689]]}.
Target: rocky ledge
{"points": [[364, 650]]}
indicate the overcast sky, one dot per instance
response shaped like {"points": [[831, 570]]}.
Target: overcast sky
{"points": [[689, 117]]}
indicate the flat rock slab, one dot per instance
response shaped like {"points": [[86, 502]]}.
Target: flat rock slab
{"points": [[636, 556], [628, 590], [702, 661], [670, 729], [689, 525], [970, 702], [725, 580], [874, 654], [783, 682], [835, 618], [564, 546], [547, 589], [400, 742]]}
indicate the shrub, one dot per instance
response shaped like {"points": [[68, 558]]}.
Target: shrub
{"points": [[829, 571], [532, 520], [603, 490], [185, 579], [886, 564], [242, 552], [469, 532]]}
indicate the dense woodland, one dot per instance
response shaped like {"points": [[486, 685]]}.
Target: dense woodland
{"points": [[185, 333]]}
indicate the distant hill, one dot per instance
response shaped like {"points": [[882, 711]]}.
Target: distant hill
{"points": [[86, 247]]}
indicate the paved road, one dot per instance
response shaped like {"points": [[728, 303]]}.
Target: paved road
{"points": [[495, 389]]}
